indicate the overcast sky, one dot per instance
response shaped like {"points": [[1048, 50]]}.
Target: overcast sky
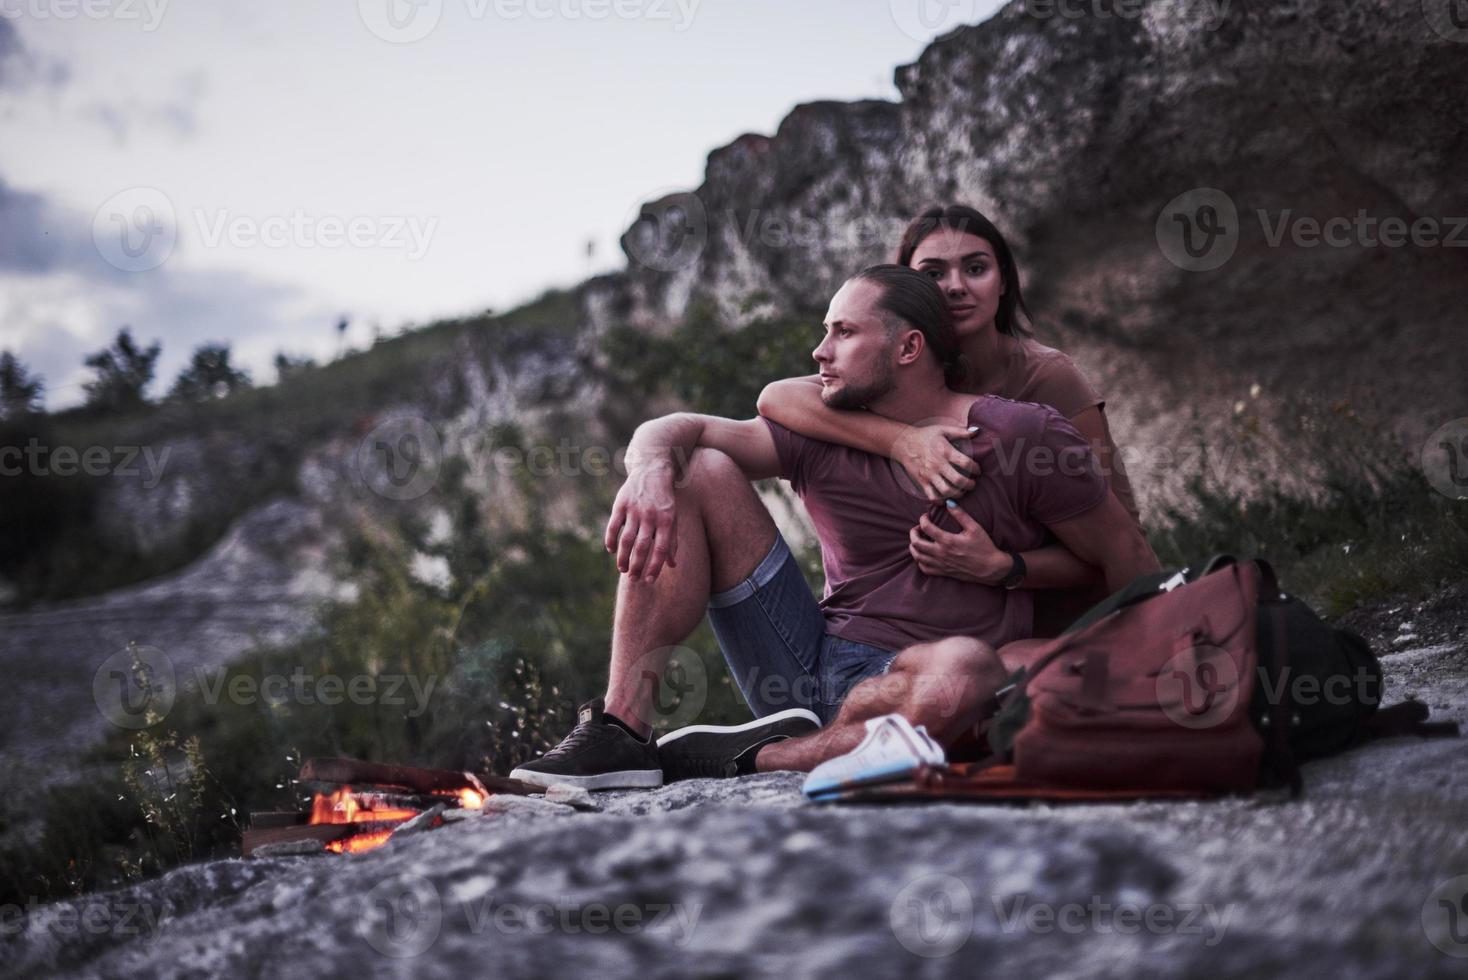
{"points": [[252, 172]]}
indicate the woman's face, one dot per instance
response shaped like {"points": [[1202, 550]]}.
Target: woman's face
{"points": [[965, 268]]}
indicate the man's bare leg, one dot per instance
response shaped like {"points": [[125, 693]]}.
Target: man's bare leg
{"points": [[946, 685], [724, 532]]}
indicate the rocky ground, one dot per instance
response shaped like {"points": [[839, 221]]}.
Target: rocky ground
{"points": [[1365, 876]]}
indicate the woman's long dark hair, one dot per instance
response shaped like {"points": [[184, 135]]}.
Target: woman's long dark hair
{"points": [[962, 218], [917, 301]]}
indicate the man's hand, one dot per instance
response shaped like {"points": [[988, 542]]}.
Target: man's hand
{"points": [[643, 529], [969, 555]]}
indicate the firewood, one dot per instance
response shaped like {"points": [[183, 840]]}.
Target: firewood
{"points": [[323, 832]]}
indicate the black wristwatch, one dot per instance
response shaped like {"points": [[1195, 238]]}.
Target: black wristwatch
{"points": [[1017, 572]]}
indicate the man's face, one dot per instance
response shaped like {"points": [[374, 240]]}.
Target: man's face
{"points": [[857, 358]]}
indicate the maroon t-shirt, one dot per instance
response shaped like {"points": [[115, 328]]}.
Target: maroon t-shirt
{"points": [[1036, 469]]}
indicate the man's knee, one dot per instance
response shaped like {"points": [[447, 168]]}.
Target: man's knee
{"points": [[962, 656], [710, 469], [946, 679]]}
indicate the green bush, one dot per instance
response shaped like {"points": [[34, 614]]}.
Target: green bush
{"points": [[1355, 521]]}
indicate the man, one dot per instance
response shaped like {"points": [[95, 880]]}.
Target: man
{"points": [[690, 534]]}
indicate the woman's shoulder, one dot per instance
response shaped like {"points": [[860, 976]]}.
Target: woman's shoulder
{"points": [[1049, 376]]}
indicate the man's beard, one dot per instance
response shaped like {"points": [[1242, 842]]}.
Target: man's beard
{"points": [[853, 396]]}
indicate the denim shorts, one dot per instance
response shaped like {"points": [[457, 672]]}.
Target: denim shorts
{"points": [[773, 636]]}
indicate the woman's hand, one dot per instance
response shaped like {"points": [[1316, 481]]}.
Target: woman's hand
{"points": [[939, 468], [643, 529], [969, 555]]}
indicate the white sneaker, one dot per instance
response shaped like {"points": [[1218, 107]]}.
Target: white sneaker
{"points": [[892, 750]]}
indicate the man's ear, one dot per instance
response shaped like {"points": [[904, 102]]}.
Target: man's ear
{"points": [[911, 347]]}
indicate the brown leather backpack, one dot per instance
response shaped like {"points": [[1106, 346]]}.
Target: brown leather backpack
{"points": [[1215, 682]]}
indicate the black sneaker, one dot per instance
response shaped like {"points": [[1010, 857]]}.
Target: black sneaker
{"points": [[596, 755], [713, 751]]}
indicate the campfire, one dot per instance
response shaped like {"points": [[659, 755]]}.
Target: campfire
{"points": [[360, 805]]}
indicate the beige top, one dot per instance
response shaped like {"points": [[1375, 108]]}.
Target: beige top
{"points": [[1036, 373]]}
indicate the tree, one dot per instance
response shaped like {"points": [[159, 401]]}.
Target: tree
{"points": [[287, 366], [124, 372], [208, 376], [20, 393]]}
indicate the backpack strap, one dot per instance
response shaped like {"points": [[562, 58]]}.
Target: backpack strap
{"points": [[1278, 759], [1140, 589]]}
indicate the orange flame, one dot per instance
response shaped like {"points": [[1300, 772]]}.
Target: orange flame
{"points": [[344, 806], [359, 842]]}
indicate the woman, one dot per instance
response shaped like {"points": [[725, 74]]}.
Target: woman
{"points": [[971, 262]]}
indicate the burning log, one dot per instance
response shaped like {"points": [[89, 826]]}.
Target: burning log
{"points": [[326, 833], [370, 801]]}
